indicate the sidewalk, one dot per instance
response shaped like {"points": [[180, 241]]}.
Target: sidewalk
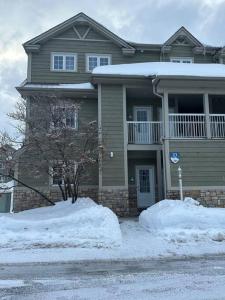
{"points": [[138, 244]]}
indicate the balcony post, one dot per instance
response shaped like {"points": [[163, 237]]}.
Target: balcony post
{"points": [[166, 114], [207, 116]]}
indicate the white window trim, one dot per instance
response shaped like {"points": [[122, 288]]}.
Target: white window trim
{"points": [[2, 179], [64, 54], [109, 56], [51, 177], [76, 115], [181, 59]]}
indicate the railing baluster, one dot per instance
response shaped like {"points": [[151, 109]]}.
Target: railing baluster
{"points": [[144, 132]]}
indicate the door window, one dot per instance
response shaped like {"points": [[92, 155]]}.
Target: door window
{"points": [[144, 181]]}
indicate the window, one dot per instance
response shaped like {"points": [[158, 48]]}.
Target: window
{"points": [[184, 60], [59, 170], [65, 117], [65, 62], [57, 175], [96, 60]]}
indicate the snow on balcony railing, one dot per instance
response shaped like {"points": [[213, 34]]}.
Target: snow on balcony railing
{"points": [[144, 132], [187, 125], [217, 126]]}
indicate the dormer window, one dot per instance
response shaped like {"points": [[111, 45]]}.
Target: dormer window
{"points": [[184, 60], [64, 62], [97, 60]]}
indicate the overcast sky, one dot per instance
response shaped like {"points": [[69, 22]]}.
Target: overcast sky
{"points": [[151, 21]]}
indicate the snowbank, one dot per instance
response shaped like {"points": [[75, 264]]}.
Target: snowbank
{"points": [[163, 69], [7, 187], [184, 220], [83, 224]]}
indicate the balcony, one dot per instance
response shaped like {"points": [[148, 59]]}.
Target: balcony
{"points": [[144, 132], [181, 126]]}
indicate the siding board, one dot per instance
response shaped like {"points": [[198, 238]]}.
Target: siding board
{"points": [[202, 162], [113, 136]]}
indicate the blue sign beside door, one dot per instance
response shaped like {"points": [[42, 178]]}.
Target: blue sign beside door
{"points": [[174, 157]]}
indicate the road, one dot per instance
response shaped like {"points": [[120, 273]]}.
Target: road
{"points": [[178, 279]]}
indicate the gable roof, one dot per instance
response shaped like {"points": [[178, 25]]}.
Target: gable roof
{"points": [[182, 31], [34, 44]]}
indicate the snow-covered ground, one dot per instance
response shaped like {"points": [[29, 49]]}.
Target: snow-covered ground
{"points": [[167, 229]]}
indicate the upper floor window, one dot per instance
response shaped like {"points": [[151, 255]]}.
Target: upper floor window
{"points": [[2, 179], [184, 60], [97, 60], [64, 62], [65, 117]]}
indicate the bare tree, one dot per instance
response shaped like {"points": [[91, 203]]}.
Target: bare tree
{"points": [[55, 143]]}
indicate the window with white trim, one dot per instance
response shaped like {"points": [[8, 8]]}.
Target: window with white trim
{"points": [[97, 60], [57, 175], [184, 60], [58, 171], [2, 179], [65, 117], [64, 62]]}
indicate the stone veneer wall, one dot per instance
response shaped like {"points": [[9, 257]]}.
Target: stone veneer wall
{"points": [[115, 199], [133, 210], [24, 198], [208, 198]]}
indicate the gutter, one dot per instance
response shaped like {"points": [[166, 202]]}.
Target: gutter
{"points": [[155, 83]]}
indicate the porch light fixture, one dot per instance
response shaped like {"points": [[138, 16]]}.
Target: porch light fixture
{"points": [[111, 154]]}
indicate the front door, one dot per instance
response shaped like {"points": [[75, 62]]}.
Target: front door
{"points": [[143, 115], [145, 177]]}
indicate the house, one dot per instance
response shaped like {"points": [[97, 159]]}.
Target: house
{"points": [[6, 192], [158, 106]]}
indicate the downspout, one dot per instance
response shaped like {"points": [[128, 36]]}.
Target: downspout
{"points": [[155, 83]]}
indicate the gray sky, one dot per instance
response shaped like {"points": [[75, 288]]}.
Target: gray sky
{"points": [[150, 21]]}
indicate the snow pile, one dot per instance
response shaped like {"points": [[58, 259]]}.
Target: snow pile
{"points": [[163, 69], [184, 220], [83, 224], [6, 187]]}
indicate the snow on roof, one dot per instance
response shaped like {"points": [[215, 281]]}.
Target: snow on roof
{"points": [[163, 69], [74, 86]]}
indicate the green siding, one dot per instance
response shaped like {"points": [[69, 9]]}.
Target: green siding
{"points": [[40, 64], [187, 51], [202, 162], [34, 177], [113, 135]]}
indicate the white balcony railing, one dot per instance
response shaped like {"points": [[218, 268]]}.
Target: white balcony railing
{"points": [[181, 126], [144, 132], [217, 126], [187, 126]]}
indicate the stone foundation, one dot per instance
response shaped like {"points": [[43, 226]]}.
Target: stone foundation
{"points": [[115, 199], [24, 198], [133, 210], [208, 198]]}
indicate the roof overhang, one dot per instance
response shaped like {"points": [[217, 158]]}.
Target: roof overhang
{"points": [[83, 93], [80, 18]]}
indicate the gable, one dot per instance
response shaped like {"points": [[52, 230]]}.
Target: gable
{"points": [[182, 37], [78, 27]]}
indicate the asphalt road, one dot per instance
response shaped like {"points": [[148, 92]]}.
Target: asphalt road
{"points": [[191, 278]]}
